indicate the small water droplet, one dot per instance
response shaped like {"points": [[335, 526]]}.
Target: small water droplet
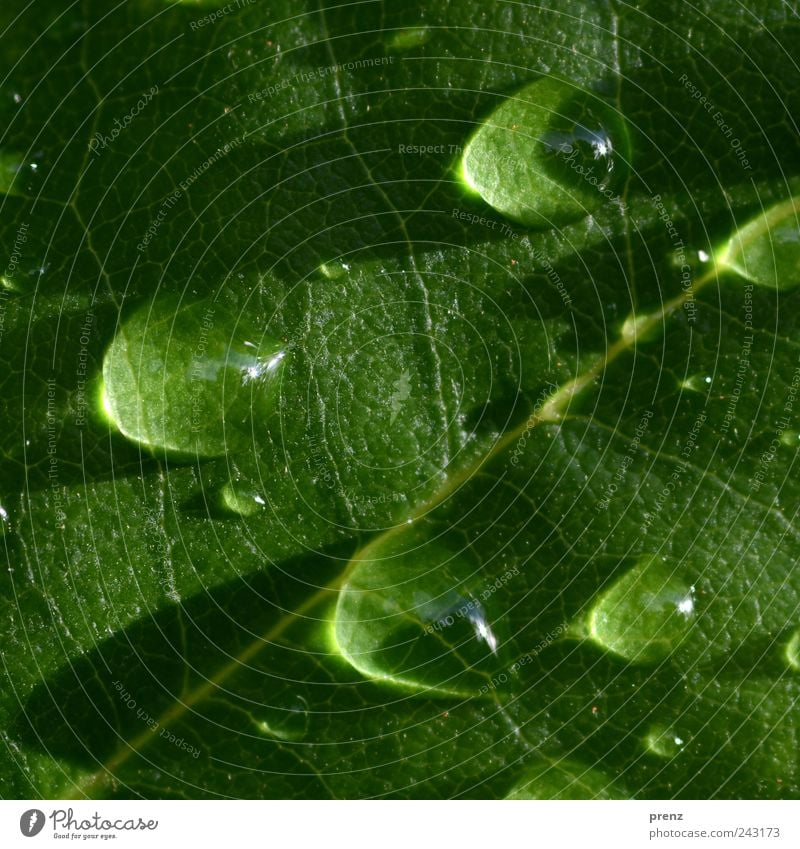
{"points": [[407, 39], [241, 499], [548, 155], [334, 270], [696, 383], [645, 614], [793, 651], [790, 438], [190, 380], [639, 328], [663, 741]]}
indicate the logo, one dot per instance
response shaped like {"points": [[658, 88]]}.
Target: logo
{"points": [[31, 822]]}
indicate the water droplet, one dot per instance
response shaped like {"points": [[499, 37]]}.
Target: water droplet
{"points": [[766, 250], [241, 499], [548, 155], [696, 383], [284, 723], [335, 270], [793, 651], [639, 328], [645, 614], [10, 166], [790, 438], [192, 380], [663, 741], [565, 779], [415, 620], [407, 39]]}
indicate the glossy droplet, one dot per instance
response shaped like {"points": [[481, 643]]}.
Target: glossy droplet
{"points": [[790, 438], [407, 39], [697, 383], [663, 741], [417, 620], [792, 652], [766, 250], [10, 178], [566, 779], [549, 155], [644, 615], [241, 499], [335, 270], [190, 380]]}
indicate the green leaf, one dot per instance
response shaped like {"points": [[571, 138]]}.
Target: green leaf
{"points": [[515, 516]]}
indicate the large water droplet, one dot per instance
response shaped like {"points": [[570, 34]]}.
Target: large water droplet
{"points": [[549, 155], [644, 615], [663, 741], [190, 380], [566, 779], [766, 250], [416, 620]]}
